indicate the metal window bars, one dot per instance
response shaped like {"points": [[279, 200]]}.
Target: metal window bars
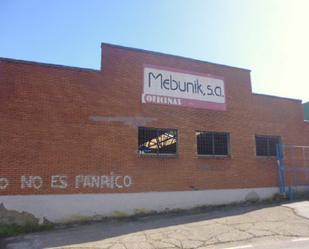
{"points": [[157, 141]]}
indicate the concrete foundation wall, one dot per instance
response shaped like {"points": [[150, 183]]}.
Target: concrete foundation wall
{"points": [[74, 207]]}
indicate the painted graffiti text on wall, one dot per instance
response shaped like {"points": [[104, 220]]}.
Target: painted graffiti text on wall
{"points": [[105, 181], [4, 183], [111, 181], [35, 182], [59, 181]]}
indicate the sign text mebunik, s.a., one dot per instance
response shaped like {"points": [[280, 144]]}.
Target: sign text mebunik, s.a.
{"points": [[190, 87], [165, 86]]}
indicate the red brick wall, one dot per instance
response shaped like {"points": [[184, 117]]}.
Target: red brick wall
{"points": [[306, 135], [46, 127]]}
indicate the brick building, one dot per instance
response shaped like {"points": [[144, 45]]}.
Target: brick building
{"points": [[306, 110], [148, 130]]}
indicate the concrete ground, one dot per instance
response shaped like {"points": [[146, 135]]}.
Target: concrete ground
{"points": [[301, 208], [254, 226]]}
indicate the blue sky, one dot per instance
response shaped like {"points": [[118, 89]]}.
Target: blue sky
{"points": [[270, 37]]}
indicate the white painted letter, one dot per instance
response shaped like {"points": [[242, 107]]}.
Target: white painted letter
{"points": [[104, 181], [78, 181], [127, 181], [117, 183], [4, 183], [112, 180]]}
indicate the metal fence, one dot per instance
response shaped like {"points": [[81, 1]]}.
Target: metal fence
{"points": [[293, 169]]}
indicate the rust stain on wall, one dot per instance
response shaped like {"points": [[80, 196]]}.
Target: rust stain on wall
{"points": [[130, 121]]}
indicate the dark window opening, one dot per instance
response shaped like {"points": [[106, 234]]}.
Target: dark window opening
{"points": [[212, 143], [266, 145], [157, 141]]}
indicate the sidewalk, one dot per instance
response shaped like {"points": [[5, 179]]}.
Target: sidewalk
{"points": [[301, 208]]}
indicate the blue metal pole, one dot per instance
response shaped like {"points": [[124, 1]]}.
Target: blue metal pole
{"points": [[281, 167]]}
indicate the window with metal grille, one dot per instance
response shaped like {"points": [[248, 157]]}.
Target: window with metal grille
{"points": [[157, 141], [266, 145], [212, 143]]}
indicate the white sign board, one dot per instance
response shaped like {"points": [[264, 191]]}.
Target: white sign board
{"points": [[173, 87]]}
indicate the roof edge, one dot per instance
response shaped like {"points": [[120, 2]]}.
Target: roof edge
{"points": [[59, 66], [277, 97], [171, 55]]}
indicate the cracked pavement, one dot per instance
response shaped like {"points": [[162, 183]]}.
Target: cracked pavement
{"points": [[210, 229]]}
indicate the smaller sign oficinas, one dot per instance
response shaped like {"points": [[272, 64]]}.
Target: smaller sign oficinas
{"points": [[174, 87]]}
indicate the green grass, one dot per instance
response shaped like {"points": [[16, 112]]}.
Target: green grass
{"points": [[12, 230]]}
